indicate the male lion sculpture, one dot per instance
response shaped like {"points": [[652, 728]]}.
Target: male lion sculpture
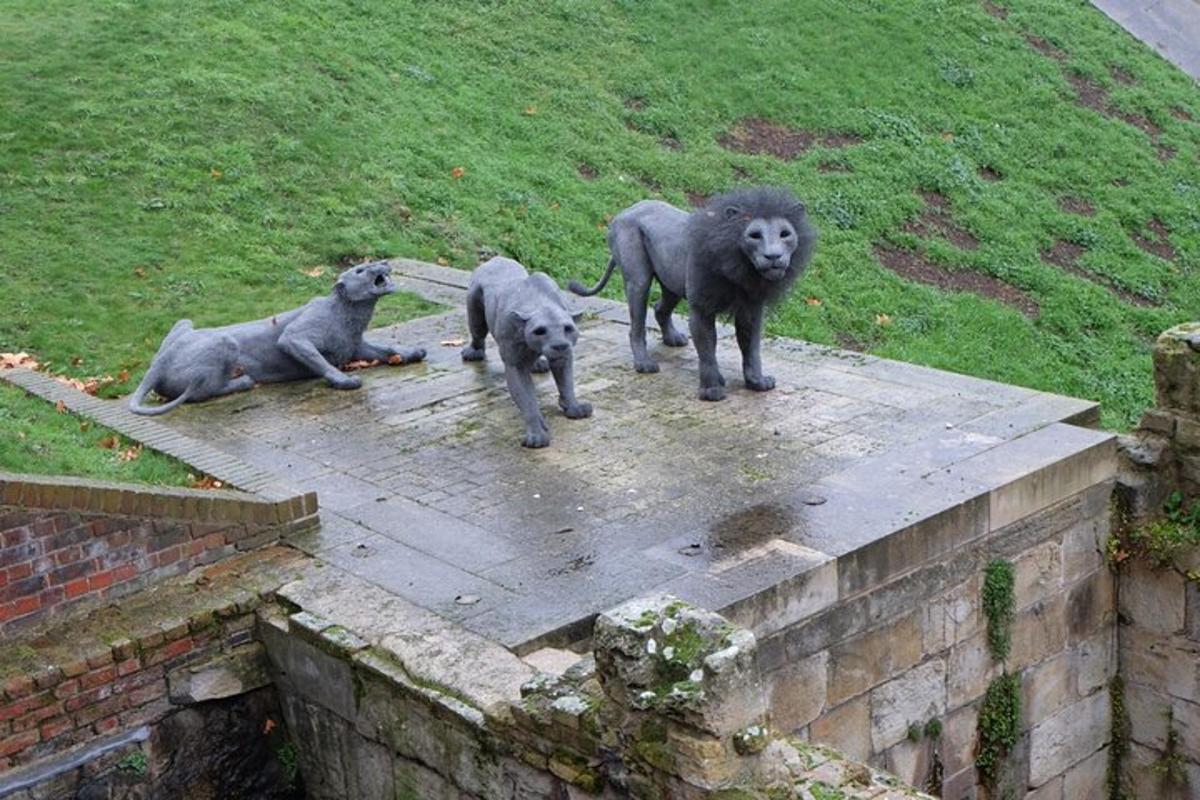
{"points": [[534, 332], [195, 364], [742, 251]]}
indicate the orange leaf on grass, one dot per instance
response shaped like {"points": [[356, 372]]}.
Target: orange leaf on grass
{"points": [[813, 301], [60, 407], [313, 272], [109, 443], [11, 360], [129, 453], [457, 172]]}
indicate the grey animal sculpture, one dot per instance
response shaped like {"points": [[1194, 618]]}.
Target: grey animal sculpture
{"points": [[742, 251], [195, 364], [534, 332]]}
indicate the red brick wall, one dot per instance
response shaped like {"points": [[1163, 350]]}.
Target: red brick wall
{"points": [[50, 561], [111, 689]]}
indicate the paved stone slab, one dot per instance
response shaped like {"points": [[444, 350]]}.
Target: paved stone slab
{"points": [[766, 506], [1172, 27]]}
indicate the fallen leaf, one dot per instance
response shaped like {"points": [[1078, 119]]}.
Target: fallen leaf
{"points": [[530, 111], [883, 319], [85, 426], [109, 443], [813, 301], [360, 364], [457, 172], [60, 407], [122, 376], [11, 360], [140, 272], [268, 726], [313, 272], [129, 453], [947, 136], [205, 482], [76, 361], [443, 262], [453, 342], [216, 173], [555, 206]]}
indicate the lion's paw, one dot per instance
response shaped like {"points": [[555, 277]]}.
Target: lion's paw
{"points": [[579, 410], [675, 339], [712, 393], [345, 382], [646, 367], [472, 353], [763, 383], [535, 439]]}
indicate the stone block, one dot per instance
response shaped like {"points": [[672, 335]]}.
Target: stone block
{"points": [[1052, 790], [914, 697], [1086, 779], [1157, 421], [665, 655], [1187, 723], [1192, 611], [369, 771], [970, 668], [1083, 548], [1095, 661], [1091, 605], [1068, 737], [1038, 633], [1148, 709], [960, 732], [798, 692], [551, 660], [1046, 688], [909, 761], [846, 729], [312, 674], [963, 619], [866, 661], [1161, 662], [241, 670], [1177, 369], [1038, 574], [1153, 599]]}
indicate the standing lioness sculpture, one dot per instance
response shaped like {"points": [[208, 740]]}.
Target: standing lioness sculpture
{"points": [[315, 340], [742, 251], [534, 332]]}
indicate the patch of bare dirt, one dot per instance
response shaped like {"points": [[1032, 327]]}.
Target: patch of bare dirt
{"points": [[1045, 47], [935, 220], [1182, 114], [999, 12], [1120, 183], [847, 342], [990, 174], [587, 172], [917, 267], [1076, 205], [671, 143], [697, 199], [1122, 75], [1090, 94], [1164, 152], [1160, 245], [1065, 255], [758, 136], [635, 103]]}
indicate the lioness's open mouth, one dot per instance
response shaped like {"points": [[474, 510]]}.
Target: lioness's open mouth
{"points": [[380, 280]]}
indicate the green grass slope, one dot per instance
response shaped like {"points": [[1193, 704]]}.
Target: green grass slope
{"points": [[161, 160]]}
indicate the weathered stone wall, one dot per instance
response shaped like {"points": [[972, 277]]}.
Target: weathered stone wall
{"points": [[1159, 580], [868, 675], [128, 701], [69, 542]]}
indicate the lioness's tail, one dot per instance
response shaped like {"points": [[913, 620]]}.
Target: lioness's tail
{"points": [[135, 400], [579, 289]]}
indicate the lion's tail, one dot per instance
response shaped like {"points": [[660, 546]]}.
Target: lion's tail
{"points": [[581, 290]]}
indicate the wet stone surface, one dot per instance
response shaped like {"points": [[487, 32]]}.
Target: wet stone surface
{"points": [[425, 491]]}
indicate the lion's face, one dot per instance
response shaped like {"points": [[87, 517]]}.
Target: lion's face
{"points": [[768, 245], [366, 282], [551, 332]]}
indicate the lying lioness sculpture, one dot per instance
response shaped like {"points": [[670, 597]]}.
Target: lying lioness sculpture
{"points": [[534, 331], [311, 341]]}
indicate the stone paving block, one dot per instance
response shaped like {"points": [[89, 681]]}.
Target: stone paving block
{"points": [[914, 697], [846, 729], [1068, 737], [798, 692], [1087, 778], [1154, 600]]}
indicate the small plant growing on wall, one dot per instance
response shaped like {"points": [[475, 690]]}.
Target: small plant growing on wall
{"points": [[998, 605], [999, 725]]}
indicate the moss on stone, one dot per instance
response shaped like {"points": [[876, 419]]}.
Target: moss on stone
{"points": [[999, 726], [998, 605], [1114, 781]]}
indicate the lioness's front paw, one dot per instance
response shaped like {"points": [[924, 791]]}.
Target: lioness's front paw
{"points": [[540, 365], [763, 383], [472, 353], [535, 439], [645, 367], [345, 382], [577, 410], [712, 393]]}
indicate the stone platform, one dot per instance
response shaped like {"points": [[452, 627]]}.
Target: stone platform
{"points": [[765, 507]]}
